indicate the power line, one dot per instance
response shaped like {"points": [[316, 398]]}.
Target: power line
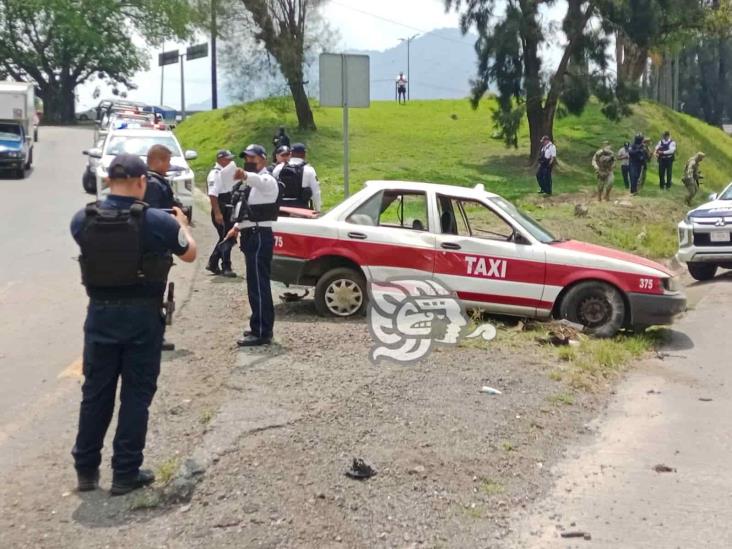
{"points": [[394, 22]]}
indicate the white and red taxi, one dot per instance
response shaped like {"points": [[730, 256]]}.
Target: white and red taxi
{"points": [[474, 243]]}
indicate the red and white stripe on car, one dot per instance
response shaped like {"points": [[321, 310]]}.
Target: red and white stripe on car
{"points": [[524, 275]]}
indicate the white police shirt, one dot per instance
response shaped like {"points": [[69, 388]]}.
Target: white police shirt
{"points": [[221, 179], [309, 180], [265, 190]]}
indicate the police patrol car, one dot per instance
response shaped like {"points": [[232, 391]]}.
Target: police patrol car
{"points": [[138, 141], [476, 244], [705, 236]]}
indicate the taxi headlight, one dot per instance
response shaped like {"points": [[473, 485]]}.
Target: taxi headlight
{"points": [[671, 284]]}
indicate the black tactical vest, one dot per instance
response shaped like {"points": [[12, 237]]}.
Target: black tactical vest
{"points": [[111, 249], [291, 176], [243, 211]]}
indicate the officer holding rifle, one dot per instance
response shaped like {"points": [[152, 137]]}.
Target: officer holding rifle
{"points": [[126, 253]]}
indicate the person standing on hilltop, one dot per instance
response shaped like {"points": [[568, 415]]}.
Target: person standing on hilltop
{"points": [[281, 139], [666, 153], [401, 85], [624, 157], [638, 160]]}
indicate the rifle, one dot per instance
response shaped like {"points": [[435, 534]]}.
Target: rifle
{"points": [[169, 304]]}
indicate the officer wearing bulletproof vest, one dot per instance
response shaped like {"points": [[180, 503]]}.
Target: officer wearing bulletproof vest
{"points": [[255, 209], [220, 183], [159, 193], [126, 253], [302, 188]]}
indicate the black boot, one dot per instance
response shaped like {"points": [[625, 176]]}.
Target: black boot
{"points": [[87, 480], [121, 486]]}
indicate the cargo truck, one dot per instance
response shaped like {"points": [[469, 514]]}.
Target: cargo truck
{"points": [[17, 126]]}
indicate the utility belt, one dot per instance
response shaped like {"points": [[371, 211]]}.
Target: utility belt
{"points": [[154, 303]]}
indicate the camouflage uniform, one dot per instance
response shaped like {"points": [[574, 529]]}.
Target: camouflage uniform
{"points": [[603, 162], [692, 176]]}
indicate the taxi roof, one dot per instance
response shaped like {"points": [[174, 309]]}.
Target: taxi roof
{"points": [[453, 190]]}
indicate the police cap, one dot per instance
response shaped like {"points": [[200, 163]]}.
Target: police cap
{"points": [[284, 149], [224, 153], [126, 166], [254, 150], [299, 148]]}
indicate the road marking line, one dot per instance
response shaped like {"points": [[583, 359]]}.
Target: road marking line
{"points": [[72, 370]]}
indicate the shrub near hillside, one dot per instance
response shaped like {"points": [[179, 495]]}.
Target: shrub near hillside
{"points": [[448, 142]]}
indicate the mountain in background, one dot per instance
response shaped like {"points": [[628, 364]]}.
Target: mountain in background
{"points": [[442, 63]]}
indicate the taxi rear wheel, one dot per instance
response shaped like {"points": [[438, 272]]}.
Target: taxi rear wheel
{"points": [[599, 307], [702, 271], [341, 292]]}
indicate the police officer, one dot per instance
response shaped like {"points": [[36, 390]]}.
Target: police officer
{"points": [[547, 159], [638, 160], [220, 181], [666, 153], [257, 242], [300, 181], [280, 139], [159, 193], [125, 257], [624, 157], [282, 156]]}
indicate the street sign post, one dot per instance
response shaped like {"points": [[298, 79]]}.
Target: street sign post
{"points": [[197, 52], [345, 82], [168, 58]]}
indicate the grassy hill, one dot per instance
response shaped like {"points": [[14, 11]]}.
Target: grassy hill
{"points": [[448, 142]]}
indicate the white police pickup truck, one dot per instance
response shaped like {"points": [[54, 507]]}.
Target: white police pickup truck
{"points": [[139, 141], [475, 244], [705, 236]]}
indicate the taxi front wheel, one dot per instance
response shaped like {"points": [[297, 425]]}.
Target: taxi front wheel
{"points": [[341, 292], [599, 307]]}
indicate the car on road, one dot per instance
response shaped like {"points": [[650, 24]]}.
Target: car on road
{"points": [[87, 115], [138, 142], [705, 236], [476, 244]]}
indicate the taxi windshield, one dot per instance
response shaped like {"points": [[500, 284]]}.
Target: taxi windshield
{"points": [[525, 220], [139, 145]]}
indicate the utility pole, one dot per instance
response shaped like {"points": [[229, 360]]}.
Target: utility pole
{"points": [[409, 78], [182, 88], [214, 32], [162, 79]]}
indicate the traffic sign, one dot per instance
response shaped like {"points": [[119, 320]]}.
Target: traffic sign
{"points": [[168, 58], [196, 52]]}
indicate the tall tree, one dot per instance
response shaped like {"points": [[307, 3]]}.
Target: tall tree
{"points": [[281, 28], [508, 48], [60, 44]]}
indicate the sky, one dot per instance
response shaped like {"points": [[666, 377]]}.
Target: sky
{"points": [[373, 25]]}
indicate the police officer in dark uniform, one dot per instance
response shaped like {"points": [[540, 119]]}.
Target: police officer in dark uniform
{"points": [[125, 257], [159, 193], [256, 208]]}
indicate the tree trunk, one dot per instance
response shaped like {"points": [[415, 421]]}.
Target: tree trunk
{"points": [[58, 103], [305, 118]]}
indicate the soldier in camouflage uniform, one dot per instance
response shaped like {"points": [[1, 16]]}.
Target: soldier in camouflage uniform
{"points": [[604, 162], [692, 176]]}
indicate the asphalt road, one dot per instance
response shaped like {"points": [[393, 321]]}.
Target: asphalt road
{"points": [[42, 301], [672, 411], [41, 298]]}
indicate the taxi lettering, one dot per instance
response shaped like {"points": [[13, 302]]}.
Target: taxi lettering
{"points": [[486, 267]]}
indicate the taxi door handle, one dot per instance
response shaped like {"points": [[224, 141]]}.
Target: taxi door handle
{"points": [[450, 246], [357, 236]]}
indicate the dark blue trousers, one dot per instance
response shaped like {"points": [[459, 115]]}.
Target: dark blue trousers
{"points": [[544, 178], [625, 170], [665, 168], [120, 341], [635, 173], [258, 245], [222, 250]]}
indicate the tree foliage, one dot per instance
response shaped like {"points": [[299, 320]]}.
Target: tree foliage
{"points": [[509, 52], [60, 44], [281, 27]]}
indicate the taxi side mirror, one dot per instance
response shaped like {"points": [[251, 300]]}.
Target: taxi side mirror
{"points": [[94, 153], [191, 155]]}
